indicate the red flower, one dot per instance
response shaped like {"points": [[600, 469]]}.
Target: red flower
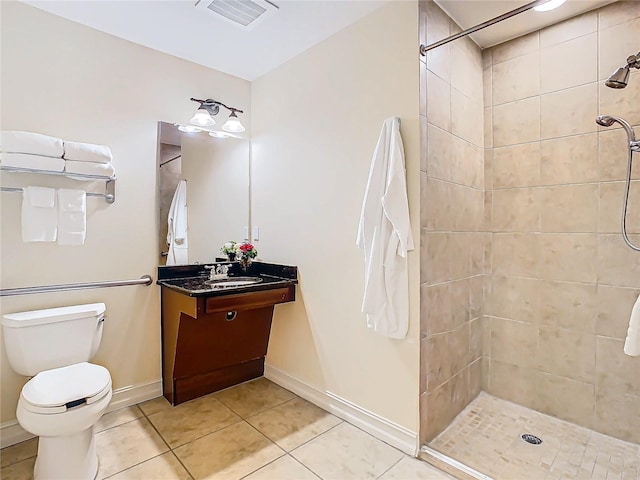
{"points": [[246, 247]]}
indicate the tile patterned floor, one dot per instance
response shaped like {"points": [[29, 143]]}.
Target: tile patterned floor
{"points": [[486, 437], [254, 431]]}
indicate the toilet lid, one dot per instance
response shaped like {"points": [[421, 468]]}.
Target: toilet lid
{"points": [[57, 387]]}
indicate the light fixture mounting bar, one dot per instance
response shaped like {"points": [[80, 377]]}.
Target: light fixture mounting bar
{"points": [[214, 105]]}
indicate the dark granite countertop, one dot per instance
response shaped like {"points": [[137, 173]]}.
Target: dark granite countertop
{"points": [[191, 279]]}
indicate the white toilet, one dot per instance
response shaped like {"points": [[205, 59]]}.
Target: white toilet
{"points": [[66, 395]]}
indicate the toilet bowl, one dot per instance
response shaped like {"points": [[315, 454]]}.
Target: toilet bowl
{"points": [[67, 395]]}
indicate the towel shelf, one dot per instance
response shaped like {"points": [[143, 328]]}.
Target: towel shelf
{"points": [[110, 182]]}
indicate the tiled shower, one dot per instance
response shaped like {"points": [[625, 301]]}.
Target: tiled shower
{"points": [[526, 284]]}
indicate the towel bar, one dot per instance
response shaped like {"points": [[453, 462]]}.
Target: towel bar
{"points": [[7, 292], [110, 182]]}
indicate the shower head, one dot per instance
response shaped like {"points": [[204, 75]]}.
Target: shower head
{"points": [[607, 121], [620, 77]]}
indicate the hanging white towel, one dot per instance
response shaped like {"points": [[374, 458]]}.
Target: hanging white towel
{"points": [[88, 168], [72, 216], [87, 152], [39, 215], [385, 235], [632, 343], [177, 227], [33, 143], [35, 162]]}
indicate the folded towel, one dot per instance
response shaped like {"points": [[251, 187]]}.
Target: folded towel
{"points": [[89, 168], [35, 162], [632, 343], [33, 143], [87, 152], [39, 223], [72, 216]]}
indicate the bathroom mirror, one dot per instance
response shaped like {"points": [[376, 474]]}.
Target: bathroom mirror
{"points": [[217, 174]]}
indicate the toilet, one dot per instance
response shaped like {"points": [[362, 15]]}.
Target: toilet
{"points": [[67, 395]]}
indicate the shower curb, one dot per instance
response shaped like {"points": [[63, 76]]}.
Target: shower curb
{"points": [[447, 464]]}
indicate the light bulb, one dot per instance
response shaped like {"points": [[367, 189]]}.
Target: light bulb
{"points": [[202, 118], [189, 129], [217, 134], [233, 124]]}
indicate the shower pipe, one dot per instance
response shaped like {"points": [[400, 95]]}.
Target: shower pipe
{"points": [[634, 146], [144, 280], [425, 48]]}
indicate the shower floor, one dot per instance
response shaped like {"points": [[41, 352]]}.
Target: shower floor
{"points": [[486, 437]]}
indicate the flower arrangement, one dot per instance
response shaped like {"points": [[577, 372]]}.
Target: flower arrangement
{"points": [[230, 249], [246, 253]]}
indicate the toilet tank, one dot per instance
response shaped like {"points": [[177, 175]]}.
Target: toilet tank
{"points": [[40, 340]]}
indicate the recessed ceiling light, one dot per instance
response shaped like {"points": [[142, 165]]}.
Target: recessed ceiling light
{"points": [[550, 5]]}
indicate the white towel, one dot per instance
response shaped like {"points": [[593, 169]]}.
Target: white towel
{"points": [[35, 162], [632, 343], [89, 168], [72, 216], [39, 215], [33, 143], [87, 152]]}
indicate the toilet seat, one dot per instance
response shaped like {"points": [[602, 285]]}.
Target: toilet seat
{"points": [[57, 390]]}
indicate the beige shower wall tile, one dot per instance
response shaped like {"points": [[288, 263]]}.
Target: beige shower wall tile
{"points": [[516, 79], [516, 166], [569, 160], [446, 355], [610, 209], [476, 252], [569, 112], [618, 265], [466, 68], [438, 102], [569, 29], [488, 218], [444, 403], [467, 211], [621, 102], [552, 392], [516, 210], [475, 339], [466, 163], [488, 127], [438, 150], [618, 12], [613, 155], [437, 204], [437, 28], [459, 245], [569, 257], [615, 44], [475, 379], [570, 208], [423, 89], [476, 296], [616, 372], [424, 143], [515, 298], [516, 254], [614, 306], [567, 353], [515, 48], [467, 117], [617, 415], [513, 342], [569, 305], [435, 305], [487, 87], [460, 301], [436, 262], [558, 73], [513, 383], [426, 196], [517, 122]]}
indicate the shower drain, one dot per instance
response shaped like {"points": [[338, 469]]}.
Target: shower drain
{"points": [[532, 439]]}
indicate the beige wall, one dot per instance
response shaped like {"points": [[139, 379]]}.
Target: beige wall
{"points": [[563, 283], [452, 237], [316, 120], [66, 80]]}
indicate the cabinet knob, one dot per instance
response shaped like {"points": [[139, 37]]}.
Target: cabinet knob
{"points": [[231, 316]]}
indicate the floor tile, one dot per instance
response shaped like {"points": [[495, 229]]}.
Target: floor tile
{"points": [[19, 471], [255, 396], [410, 468], [20, 451], [191, 420], [293, 423], [162, 467], [228, 454], [127, 445], [117, 417], [345, 452], [154, 406], [284, 468]]}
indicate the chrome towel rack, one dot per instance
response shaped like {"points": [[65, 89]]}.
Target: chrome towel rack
{"points": [[106, 196], [7, 292]]}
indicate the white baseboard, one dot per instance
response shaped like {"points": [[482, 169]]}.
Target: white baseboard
{"points": [[396, 435], [12, 433]]}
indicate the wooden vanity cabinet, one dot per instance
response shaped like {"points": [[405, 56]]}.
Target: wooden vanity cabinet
{"points": [[213, 342]]}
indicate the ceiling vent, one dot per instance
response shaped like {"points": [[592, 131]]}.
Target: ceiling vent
{"points": [[245, 14]]}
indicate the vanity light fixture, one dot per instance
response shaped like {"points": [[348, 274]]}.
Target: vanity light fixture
{"points": [[188, 128], [550, 5], [208, 108], [217, 134]]}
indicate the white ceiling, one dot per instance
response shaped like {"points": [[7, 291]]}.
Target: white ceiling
{"points": [[468, 13], [178, 28]]}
